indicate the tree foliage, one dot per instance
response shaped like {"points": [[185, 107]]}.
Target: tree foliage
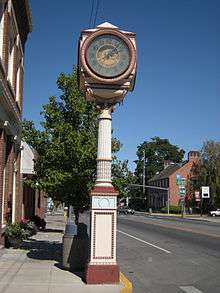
{"points": [[66, 145], [207, 171], [122, 177], [156, 151]]}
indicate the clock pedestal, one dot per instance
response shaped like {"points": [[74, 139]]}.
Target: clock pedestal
{"points": [[103, 267], [106, 73]]}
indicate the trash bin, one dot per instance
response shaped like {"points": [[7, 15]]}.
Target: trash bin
{"points": [[70, 233], [68, 237]]}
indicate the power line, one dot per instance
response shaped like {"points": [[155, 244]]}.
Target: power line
{"points": [[96, 13], [101, 12], [149, 186], [91, 14]]}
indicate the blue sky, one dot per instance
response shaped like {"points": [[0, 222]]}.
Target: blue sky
{"points": [[178, 82]]}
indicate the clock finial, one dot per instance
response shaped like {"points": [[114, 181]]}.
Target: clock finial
{"points": [[107, 25]]}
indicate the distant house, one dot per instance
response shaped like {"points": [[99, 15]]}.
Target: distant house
{"points": [[34, 200], [166, 179]]}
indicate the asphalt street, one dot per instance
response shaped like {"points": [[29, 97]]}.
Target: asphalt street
{"points": [[169, 255]]}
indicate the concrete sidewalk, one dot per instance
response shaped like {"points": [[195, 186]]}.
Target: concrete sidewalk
{"points": [[36, 268]]}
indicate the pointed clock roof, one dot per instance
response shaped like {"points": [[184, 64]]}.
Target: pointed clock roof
{"points": [[107, 25], [111, 26]]}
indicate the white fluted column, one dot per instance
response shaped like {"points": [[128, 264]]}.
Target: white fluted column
{"points": [[104, 155]]}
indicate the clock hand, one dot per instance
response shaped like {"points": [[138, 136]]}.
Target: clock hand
{"points": [[113, 52], [109, 54], [106, 56]]}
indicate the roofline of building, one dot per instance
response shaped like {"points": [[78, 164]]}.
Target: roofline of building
{"points": [[168, 176]]}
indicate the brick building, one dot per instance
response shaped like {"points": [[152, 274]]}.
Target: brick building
{"points": [[15, 25], [167, 179]]}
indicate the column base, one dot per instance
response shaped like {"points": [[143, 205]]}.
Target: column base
{"points": [[102, 274], [106, 190]]}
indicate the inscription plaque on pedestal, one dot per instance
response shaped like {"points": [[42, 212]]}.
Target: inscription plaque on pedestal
{"points": [[104, 202]]}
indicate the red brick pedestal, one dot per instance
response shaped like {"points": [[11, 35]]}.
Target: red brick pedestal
{"points": [[103, 269], [102, 274]]}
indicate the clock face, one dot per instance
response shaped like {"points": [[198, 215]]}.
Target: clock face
{"points": [[108, 55]]}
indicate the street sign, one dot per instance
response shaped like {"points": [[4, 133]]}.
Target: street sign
{"points": [[205, 192], [197, 196], [178, 179], [182, 191]]}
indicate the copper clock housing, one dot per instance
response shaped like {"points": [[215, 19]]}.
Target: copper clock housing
{"points": [[98, 77]]}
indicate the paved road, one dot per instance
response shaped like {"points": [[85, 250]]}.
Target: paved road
{"points": [[169, 256]]}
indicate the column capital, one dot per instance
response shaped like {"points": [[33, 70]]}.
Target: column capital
{"points": [[105, 108]]}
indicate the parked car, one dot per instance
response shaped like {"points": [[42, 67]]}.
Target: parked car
{"points": [[215, 213], [125, 210]]}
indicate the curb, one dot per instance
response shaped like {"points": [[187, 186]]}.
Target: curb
{"points": [[127, 285], [186, 217]]}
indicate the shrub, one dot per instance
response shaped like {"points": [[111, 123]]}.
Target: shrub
{"points": [[16, 230], [29, 226], [173, 210], [40, 223]]}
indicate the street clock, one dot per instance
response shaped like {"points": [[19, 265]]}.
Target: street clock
{"points": [[107, 63], [106, 72], [108, 56]]}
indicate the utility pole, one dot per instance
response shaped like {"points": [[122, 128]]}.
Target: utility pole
{"points": [[168, 201], [144, 173]]}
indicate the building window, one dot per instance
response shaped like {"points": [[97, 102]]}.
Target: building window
{"points": [[3, 196], [12, 48], [19, 78], [18, 84], [1, 27], [39, 200]]}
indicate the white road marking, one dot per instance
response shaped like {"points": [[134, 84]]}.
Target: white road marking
{"points": [[150, 244], [190, 289]]}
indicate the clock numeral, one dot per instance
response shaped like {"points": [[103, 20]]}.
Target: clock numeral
{"points": [[119, 47], [114, 42], [124, 57]]}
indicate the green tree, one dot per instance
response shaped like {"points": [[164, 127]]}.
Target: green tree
{"points": [[156, 151], [122, 177], [207, 171], [66, 145]]}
